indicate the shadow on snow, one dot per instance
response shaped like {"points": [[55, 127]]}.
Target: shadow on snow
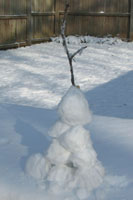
{"points": [[113, 99]]}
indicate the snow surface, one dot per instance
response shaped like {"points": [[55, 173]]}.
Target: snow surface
{"points": [[32, 82]]}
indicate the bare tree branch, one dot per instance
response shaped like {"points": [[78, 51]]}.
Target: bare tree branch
{"points": [[69, 56], [63, 28], [78, 52]]}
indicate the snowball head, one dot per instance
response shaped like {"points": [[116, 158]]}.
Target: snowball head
{"points": [[57, 154], [75, 139], [58, 129], [73, 108], [37, 166]]}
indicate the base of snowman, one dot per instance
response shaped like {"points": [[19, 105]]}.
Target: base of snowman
{"points": [[70, 163]]}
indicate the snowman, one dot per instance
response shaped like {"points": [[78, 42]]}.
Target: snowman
{"points": [[70, 164]]}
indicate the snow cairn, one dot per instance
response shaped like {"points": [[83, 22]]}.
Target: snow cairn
{"points": [[71, 163]]}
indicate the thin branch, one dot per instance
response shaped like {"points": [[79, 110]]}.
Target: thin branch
{"points": [[78, 52], [69, 56]]}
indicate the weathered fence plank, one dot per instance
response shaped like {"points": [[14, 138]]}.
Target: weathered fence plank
{"points": [[43, 15], [131, 21], [27, 21]]}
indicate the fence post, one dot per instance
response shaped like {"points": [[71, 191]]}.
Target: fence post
{"points": [[29, 22], [131, 20], [57, 18]]}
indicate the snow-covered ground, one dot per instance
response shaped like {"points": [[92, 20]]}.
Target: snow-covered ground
{"points": [[32, 83]]}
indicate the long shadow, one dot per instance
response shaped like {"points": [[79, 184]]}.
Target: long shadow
{"points": [[32, 124], [32, 139], [117, 160], [114, 99]]}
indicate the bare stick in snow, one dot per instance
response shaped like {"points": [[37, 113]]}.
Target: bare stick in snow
{"points": [[69, 56]]}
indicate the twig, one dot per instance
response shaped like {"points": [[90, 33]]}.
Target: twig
{"points": [[69, 56], [78, 52]]}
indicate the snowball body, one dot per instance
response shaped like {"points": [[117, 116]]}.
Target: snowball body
{"points": [[37, 166], [75, 139], [57, 154], [60, 174], [58, 129]]}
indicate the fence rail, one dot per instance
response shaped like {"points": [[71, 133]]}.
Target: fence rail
{"points": [[28, 21]]}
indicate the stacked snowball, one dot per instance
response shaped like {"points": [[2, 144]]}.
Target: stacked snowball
{"points": [[71, 162]]}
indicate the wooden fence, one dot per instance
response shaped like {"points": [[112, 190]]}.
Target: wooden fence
{"points": [[23, 22]]}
